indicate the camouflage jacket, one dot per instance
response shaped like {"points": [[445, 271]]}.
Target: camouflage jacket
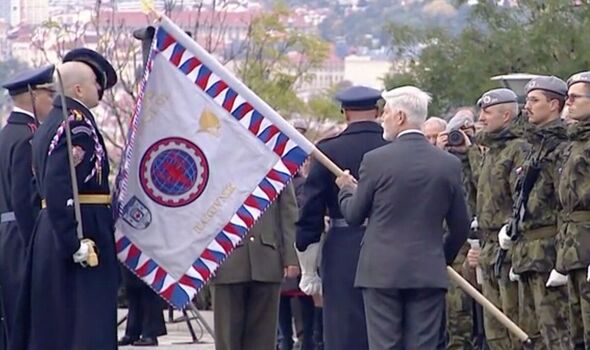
{"points": [[471, 162], [573, 251], [495, 187], [535, 249]]}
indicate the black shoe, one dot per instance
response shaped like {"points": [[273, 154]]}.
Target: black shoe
{"points": [[126, 340], [147, 341]]}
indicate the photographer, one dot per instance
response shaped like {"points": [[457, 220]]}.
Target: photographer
{"points": [[459, 140]]}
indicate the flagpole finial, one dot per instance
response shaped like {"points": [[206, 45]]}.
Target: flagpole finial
{"points": [[148, 7]]}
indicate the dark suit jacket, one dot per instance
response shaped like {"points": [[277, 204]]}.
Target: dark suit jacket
{"points": [[407, 189]]}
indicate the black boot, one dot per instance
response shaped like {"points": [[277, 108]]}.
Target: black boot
{"points": [[146, 341], [127, 340]]}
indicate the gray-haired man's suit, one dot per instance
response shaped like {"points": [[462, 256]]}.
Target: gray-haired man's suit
{"points": [[406, 189]]}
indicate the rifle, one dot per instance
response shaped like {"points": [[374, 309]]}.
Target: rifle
{"points": [[524, 186]]}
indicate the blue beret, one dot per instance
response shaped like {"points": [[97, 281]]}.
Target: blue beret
{"points": [[582, 77], [34, 78], [104, 71], [358, 98], [547, 83], [496, 97]]}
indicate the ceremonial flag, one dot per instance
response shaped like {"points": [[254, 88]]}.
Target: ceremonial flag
{"points": [[205, 158]]}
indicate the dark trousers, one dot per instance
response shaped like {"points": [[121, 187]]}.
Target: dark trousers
{"points": [[286, 321], [245, 315], [145, 317], [318, 328], [404, 319]]}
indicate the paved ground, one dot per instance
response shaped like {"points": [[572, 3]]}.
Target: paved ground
{"points": [[179, 337]]}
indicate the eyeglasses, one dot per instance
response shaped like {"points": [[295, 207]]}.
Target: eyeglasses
{"points": [[573, 97]]}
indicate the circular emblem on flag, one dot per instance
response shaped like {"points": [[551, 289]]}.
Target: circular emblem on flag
{"points": [[173, 172]]}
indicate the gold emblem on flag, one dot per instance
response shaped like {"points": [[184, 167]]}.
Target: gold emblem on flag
{"points": [[209, 123]]}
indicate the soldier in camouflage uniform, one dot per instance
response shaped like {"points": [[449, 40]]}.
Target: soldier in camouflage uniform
{"points": [[459, 305], [573, 253], [496, 181], [542, 292]]}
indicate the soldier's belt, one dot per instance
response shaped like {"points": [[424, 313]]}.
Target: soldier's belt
{"points": [[540, 233], [88, 199], [340, 222], [578, 216], [7, 217]]}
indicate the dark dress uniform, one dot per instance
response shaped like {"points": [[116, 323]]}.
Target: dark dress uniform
{"points": [[145, 317], [344, 317], [67, 306], [17, 193]]}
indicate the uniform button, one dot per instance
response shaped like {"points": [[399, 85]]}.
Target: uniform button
{"points": [[251, 239]]}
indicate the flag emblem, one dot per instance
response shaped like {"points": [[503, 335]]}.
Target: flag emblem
{"points": [[174, 172]]}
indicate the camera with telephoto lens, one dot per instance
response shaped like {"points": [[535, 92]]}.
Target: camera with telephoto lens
{"points": [[456, 138]]}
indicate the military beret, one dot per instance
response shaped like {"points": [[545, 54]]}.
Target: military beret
{"points": [[582, 77], [459, 121], [547, 83], [358, 98], [34, 79], [496, 97], [104, 71]]}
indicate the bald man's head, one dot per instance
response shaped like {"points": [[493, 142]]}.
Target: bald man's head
{"points": [[79, 82], [432, 127]]}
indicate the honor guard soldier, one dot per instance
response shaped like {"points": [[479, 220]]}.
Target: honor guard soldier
{"points": [[573, 252], [32, 96], [542, 296], [495, 189], [72, 301], [344, 316]]}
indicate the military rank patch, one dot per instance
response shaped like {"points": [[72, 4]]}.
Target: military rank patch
{"points": [[77, 155], [82, 129]]}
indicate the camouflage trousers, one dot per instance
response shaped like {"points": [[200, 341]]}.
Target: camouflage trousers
{"points": [[459, 319], [579, 308], [503, 293], [543, 312]]}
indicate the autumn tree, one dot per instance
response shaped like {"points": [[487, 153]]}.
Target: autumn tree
{"points": [[537, 37]]}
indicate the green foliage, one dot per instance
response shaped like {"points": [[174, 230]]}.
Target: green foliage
{"points": [[276, 57], [538, 37]]}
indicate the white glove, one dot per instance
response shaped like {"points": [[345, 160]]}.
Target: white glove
{"points": [[588, 275], [474, 224], [513, 276], [556, 279], [82, 254], [310, 282], [503, 238]]}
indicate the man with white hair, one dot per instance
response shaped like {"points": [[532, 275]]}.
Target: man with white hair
{"points": [[406, 189], [432, 127]]}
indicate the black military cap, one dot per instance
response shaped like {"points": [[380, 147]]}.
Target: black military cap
{"points": [[496, 97], [38, 78], [104, 71], [358, 98], [582, 77], [547, 83]]}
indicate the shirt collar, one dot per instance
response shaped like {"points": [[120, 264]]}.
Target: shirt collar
{"points": [[410, 131], [23, 111]]}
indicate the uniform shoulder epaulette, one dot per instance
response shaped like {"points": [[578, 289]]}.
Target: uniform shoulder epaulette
{"points": [[326, 139]]}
